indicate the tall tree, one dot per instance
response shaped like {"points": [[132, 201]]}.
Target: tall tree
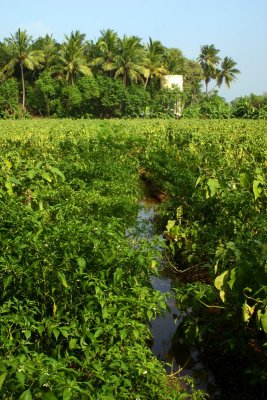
{"points": [[154, 62], [19, 51], [209, 61], [71, 60], [49, 46], [128, 61], [193, 76], [227, 72], [107, 46], [174, 61]]}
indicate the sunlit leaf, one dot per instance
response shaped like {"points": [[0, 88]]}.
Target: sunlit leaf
{"points": [[221, 280], [2, 378], [247, 312], [213, 185], [27, 395], [264, 321], [63, 279]]}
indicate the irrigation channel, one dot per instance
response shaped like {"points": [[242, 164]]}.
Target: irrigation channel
{"points": [[168, 343]]}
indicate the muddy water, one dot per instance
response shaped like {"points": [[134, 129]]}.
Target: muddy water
{"points": [[168, 344]]}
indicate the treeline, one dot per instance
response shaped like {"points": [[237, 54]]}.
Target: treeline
{"points": [[113, 77]]}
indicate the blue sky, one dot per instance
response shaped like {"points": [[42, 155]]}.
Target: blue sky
{"points": [[237, 27]]}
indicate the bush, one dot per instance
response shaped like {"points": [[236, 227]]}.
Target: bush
{"points": [[9, 98]]}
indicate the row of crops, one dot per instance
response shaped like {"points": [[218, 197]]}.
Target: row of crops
{"points": [[75, 293]]}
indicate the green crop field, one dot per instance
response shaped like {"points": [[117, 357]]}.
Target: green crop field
{"points": [[75, 293]]}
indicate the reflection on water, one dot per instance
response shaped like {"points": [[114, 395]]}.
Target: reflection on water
{"points": [[168, 344]]}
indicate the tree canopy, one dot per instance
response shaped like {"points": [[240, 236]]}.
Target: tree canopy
{"points": [[47, 70]]}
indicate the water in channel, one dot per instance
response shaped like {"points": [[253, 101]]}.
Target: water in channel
{"points": [[168, 344]]}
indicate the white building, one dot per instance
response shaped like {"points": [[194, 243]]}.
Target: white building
{"points": [[171, 82]]}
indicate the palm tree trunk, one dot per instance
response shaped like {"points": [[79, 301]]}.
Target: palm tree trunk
{"points": [[23, 86], [146, 82], [206, 83], [124, 78]]}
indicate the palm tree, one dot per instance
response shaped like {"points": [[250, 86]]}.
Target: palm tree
{"points": [[71, 60], [49, 46], [128, 61], [154, 62], [107, 46], [174, 61], [228, 72], [20, 52], [209, 60]]}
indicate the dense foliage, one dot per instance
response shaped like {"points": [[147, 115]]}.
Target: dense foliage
{"points": [[215, 175], [111, 77], [75, 292]]}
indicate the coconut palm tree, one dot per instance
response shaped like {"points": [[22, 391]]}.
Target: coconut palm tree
{"points": [[227, 72], [49, 46], [71, 60], [174, 61], [19, 52], [209, 60], [106, 45], [128, 61], [154, 62]]}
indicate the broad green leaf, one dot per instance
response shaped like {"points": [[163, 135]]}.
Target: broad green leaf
{"points": [[12, 179], [8, 164], [27, 334], [256, 189], [149, 314], [27, 395], [213, 185], [2, 378], [222, 295], [117, 275], [56, 332], [123, 334], [199, 179], [9, 188], [63, 279], [66, 394], [7, 281], [170, 225], [220, 284], [65, 333], [98, 332], [232, 279], [221, 280], [244, 180], [49, 396], [81, 262], [247, 312], [56, 171], [20, 377], [264, 321], [31, 173], [46, 176], [105, 313], [72, 344]]}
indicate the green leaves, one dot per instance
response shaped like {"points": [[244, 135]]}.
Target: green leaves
{"points": [[221, 284], [63, 280], [27, 395], [2, 378], [49, 396], [213, 185], [66, 394]]}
